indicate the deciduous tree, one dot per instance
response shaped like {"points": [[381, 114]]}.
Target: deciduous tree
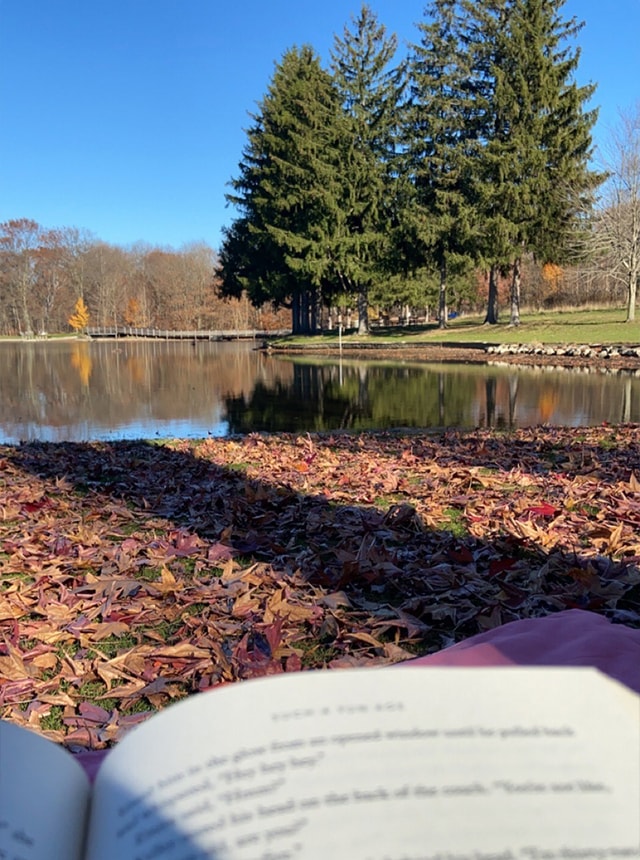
{"points": [[19, 242], [616, 234], [79, 319]]}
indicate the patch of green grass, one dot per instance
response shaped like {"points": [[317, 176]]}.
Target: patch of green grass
{"points": [[195, 609], [187, 565], [604, 325], [52, 722], [238, 467], [114, 645], [608, 443], [92, 691], [242, 561], [315, 654], [127, 529], [168, 629], [67, 649], [454, 523], [148, 574], [139, 706], [11, 577], [385, 502]]}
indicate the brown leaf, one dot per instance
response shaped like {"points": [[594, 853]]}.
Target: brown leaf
{"points": [[13, 667], [108, 628]]}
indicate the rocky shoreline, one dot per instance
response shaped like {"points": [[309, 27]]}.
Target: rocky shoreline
{"points": [[595, 356]]}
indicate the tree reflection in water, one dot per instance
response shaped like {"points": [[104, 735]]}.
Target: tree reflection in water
{"points": [[75, 390]]}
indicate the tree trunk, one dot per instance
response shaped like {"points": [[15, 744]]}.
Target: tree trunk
{"points": [[295, 313], [305, 309], [442, 297], [492, 301], [632, 290], [515, 292], [363, 311], [314, 310], [490, 391]]}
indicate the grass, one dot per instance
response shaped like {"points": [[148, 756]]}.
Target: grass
{"points": [[603, 326], [52, 722], [454, 523], [111, 646], [94, 691]]}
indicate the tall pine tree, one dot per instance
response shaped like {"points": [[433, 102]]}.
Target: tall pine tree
{"points": [[439, 150], [534, 132], [282, 247], [371, 91]]}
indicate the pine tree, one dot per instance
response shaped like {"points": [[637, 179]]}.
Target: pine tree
{"points": [[439, 149], [282, 247], [534, 132], [371, 91]]}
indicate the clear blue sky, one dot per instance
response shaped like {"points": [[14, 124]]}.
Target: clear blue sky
{"points": [[127, 117]]}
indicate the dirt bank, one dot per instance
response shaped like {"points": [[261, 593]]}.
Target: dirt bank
{"points": [[472, 354]]}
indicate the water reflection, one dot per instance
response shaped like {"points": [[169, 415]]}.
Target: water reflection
{"points": [[77, 391]]}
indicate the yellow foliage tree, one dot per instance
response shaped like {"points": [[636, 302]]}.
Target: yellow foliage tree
{"points": [[552, 274], [79, 319], [133, 314]]}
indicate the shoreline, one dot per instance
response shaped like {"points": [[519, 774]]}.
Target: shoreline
{"points": [[602, 357], [597, 357]]}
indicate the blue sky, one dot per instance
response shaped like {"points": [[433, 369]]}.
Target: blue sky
{"points": [[126, 117]]}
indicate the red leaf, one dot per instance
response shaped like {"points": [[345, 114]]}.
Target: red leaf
{"points": [[543, 510]]}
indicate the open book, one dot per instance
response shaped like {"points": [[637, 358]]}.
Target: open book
{"points": [[378, 764]]}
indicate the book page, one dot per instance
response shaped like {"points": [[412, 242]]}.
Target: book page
{"points": [[44, 798], [381, 764]]}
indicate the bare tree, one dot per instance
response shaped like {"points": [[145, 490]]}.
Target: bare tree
{"points": [[617, 222], [199, 263], [19, 242], [107, 273]]}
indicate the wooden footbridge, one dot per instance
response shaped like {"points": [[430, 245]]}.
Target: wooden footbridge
{"points": [[121, 331]]}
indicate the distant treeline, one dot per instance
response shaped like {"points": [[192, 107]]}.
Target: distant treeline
{"points": [[44, 271]]}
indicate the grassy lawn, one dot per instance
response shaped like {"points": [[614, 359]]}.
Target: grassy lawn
{"points": [[583, 326]]}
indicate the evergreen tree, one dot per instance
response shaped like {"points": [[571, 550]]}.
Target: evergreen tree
{"points": [[371, 91], [534, 132], [439, 149], [282, 247]]}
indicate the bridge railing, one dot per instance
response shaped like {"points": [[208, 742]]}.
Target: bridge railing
{"points": [[164, 334]]}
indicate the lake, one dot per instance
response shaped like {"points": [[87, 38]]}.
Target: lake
{"points": [[90, 390]]}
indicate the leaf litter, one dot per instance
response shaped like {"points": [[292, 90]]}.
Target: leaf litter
{"points": [[133, 574]]}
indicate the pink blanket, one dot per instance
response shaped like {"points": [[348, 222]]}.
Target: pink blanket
{"points": [[571, 638]]}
